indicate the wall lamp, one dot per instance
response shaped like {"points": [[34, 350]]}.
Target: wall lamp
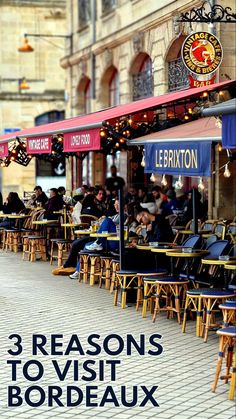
{"points": [[26, 47]]}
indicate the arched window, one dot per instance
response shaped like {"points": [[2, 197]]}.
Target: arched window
{"points": [[177, 72], [51, 116], [114, 89], [142, 77]]}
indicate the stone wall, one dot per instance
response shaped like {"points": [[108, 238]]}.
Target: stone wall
{"points": [[41, 69]]}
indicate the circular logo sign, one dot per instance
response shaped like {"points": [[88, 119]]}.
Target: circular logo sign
{"points": [[202, 53]]}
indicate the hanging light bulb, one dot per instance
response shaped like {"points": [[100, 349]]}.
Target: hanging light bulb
{"points": [[152, 178], [163, 180], [219, 147], [227, 172], [143, 160], [179, 183], [200, 185]]}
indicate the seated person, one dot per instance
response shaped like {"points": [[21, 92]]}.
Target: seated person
{"points": [[12, 205], [158, 229], [55, 203], [39, 197], [107, 224]]}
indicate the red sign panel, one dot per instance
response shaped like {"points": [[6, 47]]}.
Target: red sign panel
{"points": [[3, 149], [200, 83], [39, 145], [86, 140]]}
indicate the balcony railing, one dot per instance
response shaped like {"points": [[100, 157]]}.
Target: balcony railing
{"points": [[177, 75]]}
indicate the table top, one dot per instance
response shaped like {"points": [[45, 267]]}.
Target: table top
{"points": [[18, 216], [44, 222], [102, 234], [178, 253], [213, 261], [146, 246], [82, 232], [230, 266]]}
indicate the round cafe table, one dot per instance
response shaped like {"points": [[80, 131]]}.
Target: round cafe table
{"points": [[222, 263], [195, 253]]}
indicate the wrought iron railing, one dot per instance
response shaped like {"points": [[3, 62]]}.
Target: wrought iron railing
{"points": [[177, 75], [142, 85]]}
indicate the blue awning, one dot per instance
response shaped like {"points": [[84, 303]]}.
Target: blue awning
{"points": [[229, 131], [183, 158]]}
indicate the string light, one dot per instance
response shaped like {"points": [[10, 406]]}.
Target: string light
{"points": [[227, 172], [163, 180], [152, 177], [201, 186], [143, 160], [219, 147], [179, 183]]}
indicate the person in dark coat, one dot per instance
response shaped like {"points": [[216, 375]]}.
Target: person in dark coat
{"points": [[12, 205], [55, 203], [40, 196], [114, 183]]}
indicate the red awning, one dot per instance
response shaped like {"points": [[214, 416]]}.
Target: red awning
{"points": [[94, 120], [204, 129]]}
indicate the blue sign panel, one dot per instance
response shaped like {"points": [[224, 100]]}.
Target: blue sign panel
{"points": [[229, 131], [183, 158], [10, 130]]}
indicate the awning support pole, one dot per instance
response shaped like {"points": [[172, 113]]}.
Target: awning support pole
{"points": [[122, 241], [195, 220]]}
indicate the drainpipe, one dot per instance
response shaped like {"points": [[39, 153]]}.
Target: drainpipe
{"points": [[93, 58]]}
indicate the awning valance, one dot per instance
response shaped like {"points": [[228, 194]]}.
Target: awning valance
{"points": [[229, 131], [95, 120]]}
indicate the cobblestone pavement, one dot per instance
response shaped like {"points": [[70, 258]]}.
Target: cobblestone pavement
{"points": [[32, 301]]}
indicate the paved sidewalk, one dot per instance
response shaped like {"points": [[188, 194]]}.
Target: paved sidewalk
{"points": [[32, 301]]}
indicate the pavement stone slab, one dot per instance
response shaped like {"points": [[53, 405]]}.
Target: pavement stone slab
{"points": [[33, 301]]}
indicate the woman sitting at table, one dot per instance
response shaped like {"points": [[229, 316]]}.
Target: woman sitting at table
{"points": [[108, 224], [12, 205], [55, 203]]}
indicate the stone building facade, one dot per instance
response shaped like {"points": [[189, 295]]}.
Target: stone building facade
{"points": [[24, 108], [124, 50]]}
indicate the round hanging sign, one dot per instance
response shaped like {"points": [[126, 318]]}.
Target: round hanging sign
{"points": [[202, 53]]}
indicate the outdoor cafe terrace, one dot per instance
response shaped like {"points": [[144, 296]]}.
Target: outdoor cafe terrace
{"points": [[185, 296]]}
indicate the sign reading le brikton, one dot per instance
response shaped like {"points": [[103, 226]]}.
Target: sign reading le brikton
{"points": [[202, 53], [181, 158], [39, 145], [3, 149]]}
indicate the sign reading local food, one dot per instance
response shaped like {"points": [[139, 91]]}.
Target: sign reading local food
{"points": [[181, 158], [39, 145], [202, 53], [82, 140]]}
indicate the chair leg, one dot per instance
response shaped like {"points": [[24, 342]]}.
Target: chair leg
{"points": [[233, 379], [51, 253], [139, 292], [60, 254], [187, 303], [219, 363], [145, 299], [123, 292]]}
